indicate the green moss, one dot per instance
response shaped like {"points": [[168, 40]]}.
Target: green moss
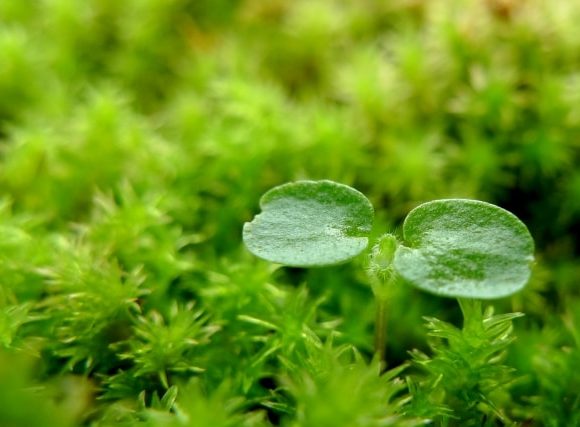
{"points": [[136, 138]]}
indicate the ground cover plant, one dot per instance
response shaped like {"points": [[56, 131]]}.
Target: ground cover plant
{"points": [[137, 137], [455, 248]]}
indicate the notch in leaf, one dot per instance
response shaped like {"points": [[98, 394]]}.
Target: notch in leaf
{"points": [[310, 224]]}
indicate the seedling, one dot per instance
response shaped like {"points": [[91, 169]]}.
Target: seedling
{"points": [[458, 248]]}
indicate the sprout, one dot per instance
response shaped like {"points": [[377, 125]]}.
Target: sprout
{"points": [[453, 248]]}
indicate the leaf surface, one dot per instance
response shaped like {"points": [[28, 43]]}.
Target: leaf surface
{"points": [[465, 248], [309, 224]]}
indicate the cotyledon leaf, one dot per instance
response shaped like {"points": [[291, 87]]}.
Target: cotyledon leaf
{"points": [[465, 248], [309, 224]]}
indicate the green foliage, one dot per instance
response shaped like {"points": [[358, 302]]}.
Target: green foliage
{"points": [[136, 138], [338, 388], [465, 248], [310, 223], [28, 402], [190, 405], [161, 348], [465, 381], [89, 302], [454, 247], [194, 407]]}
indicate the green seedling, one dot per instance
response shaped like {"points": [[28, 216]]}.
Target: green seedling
{"points": [[459, 248]]}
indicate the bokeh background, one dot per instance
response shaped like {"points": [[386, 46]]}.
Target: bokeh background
{"points": [[137, 136]]}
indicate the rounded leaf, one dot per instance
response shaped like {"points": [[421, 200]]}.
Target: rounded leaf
{"points": [[310, 223], [465, 248]]}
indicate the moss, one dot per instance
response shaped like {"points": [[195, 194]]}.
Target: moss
{"points": [[136, 138]]}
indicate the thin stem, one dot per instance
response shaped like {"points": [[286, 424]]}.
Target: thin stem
{"points": [[381, 328], [382, 278]]}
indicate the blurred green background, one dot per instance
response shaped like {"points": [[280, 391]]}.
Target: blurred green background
{"points": [[136, 137]]}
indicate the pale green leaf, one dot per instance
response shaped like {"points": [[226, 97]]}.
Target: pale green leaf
{"points": [[310, 223], [465, 248]]}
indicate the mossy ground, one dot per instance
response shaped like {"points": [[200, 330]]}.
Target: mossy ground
{"points": [[136, 137]]}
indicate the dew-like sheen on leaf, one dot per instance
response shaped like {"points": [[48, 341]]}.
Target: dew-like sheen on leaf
{"points": [[310, 224], [465, 248]]}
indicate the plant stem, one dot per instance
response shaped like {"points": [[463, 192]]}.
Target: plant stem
{"points": [[382, 278], [381, 327]]}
